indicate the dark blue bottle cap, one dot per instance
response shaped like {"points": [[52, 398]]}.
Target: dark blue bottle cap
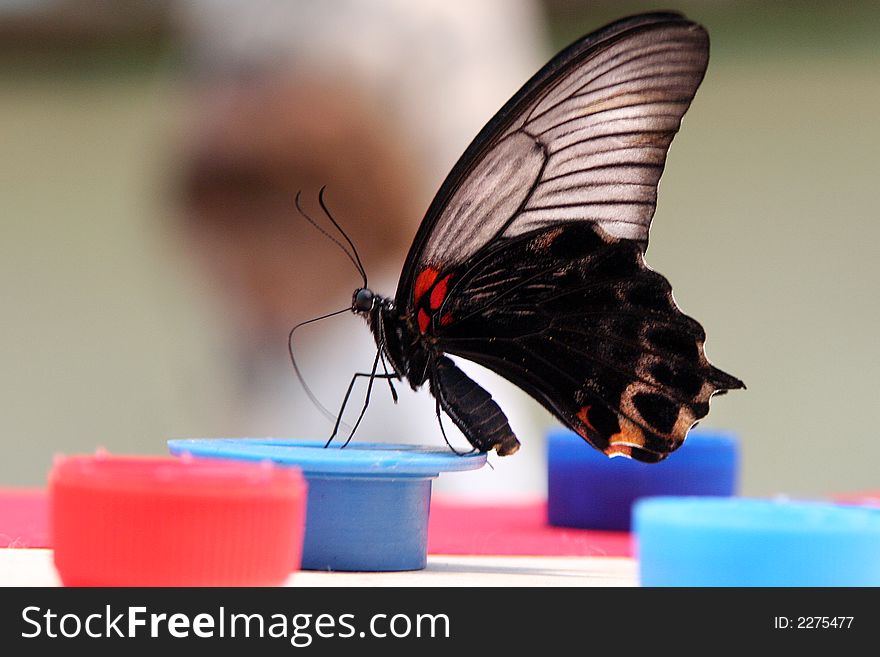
{"points": [[712, 541], [367, 503], [588, 490]]}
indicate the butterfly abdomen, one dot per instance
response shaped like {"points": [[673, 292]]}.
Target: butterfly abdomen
{"points": [[472, 409]]}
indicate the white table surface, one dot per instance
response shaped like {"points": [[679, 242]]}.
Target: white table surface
{"points": [[34, 567]]}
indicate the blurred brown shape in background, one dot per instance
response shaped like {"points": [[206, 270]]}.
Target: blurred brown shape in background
{"points": [[249, 148]]}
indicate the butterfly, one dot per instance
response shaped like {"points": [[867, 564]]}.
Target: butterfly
{"points": [[530, 259]]}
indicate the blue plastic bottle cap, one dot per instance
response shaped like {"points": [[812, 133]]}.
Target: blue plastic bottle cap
{"points": [[367, 504], [705, 541], [586, 489]]}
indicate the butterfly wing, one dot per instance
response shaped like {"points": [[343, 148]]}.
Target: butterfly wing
{"points": [[578, 321], [530, 258], [584, 140]]}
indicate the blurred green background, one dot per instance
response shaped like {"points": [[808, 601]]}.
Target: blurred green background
{"points": [[767, 226]]}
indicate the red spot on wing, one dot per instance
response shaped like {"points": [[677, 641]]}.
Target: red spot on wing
{"points": [[446, 319], [424, 320], [439, 292], [424, 281]]}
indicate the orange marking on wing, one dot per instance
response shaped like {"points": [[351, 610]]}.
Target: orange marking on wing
{"points": [[439, 292], [629, 433], [424, 320], [545, 241], [619, 450], [424, 281], [583, 416], [446, 319]]}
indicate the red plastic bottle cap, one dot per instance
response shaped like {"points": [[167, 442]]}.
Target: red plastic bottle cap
{"points": [[864, 498], [158, 521]]}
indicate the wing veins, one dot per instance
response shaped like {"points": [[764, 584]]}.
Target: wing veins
{"points": [[607, 121], [613, 409], [645, 54], [624, 133], [609, 366], [678, 360], [562, 206], [598, 167]]}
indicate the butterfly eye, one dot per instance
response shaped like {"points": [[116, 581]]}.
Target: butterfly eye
{"points": [[363, 300]]}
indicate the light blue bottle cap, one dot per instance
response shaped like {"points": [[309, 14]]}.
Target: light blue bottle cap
{"points": [[705, 541], [588, 490], [367, 503]]}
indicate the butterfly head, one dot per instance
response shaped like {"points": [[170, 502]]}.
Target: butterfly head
{"points": [[363, 300]]}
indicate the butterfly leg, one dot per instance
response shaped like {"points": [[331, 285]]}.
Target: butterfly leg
{"points": [[382, 346], [372, 376], [443, 431], [389, 378]]}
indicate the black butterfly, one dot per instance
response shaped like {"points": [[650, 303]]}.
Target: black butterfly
{"points": [[529, 260]]}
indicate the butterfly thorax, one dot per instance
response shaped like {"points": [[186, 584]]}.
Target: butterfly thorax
{"points": [[403, 348], [416, 356]]}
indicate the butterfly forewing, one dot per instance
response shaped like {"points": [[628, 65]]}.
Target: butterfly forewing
{"points": [[584, 140]]}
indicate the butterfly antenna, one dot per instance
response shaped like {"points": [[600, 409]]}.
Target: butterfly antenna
{"points": [[309, 393], [357, 257], [355, 260]]}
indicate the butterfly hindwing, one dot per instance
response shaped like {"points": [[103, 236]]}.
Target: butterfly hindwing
{"points": [[576, 318]]}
